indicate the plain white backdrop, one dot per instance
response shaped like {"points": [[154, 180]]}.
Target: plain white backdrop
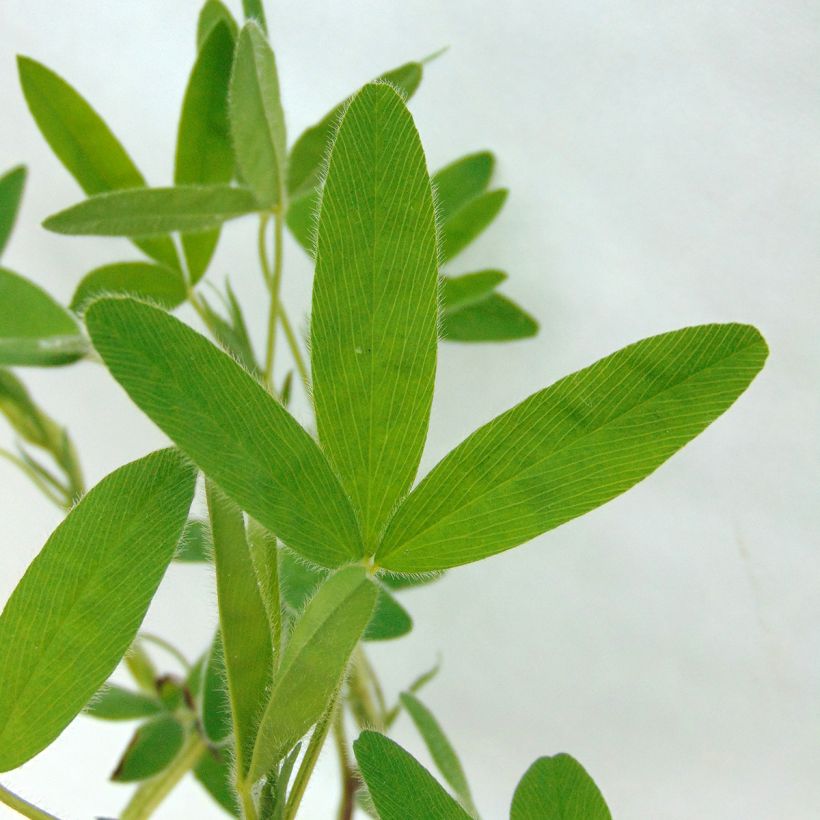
{"points": [[663, 161]]}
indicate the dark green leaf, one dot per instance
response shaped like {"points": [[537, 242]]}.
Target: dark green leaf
{"points": [[113, 702], [460, 291], [572, 447], [151, 211], [34, 329], [254, 10], [461, 181], [195, 545], [212, 14], [84, 143], [313, 664], [493, 319], [216, 708], [80, 603], [468, 222], [204, 150], [389, 620], [215, 773], [401, 788], [239, 435], [558, 788], [257, 119], [144, 280], [152, 749], [374, 320], [11, 191]]}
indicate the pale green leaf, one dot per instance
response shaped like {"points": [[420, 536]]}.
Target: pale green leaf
{"points": [[11, 191], [461, 181], [307, 157], [34, 329], [313, 664], [151, 211], [440, 748], [239, 435], [257, 118], [265, 558], [79, 605], [215, 710], [211, 15], [460, 229], [401, 788], [243, 622], [254, 10], [153, 747], [144, 280], [195, 545], [215, 773], [24, 416], [558, 788], [84, 143], [374, 320], [204, 150], [492, 319], [469, 288], [114, 702], [399, 582], [302, 219], [572, 447]]}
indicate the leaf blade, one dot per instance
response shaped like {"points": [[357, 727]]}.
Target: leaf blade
{"points": [[11, 192], [114, 702], [152, 748], [465, 225], [462, 181], [492, 319]]}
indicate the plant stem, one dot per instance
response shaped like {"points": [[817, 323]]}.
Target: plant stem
{"points": [[23, 807], [293, 344], [350, 783], [274, 280], [168, 647], [37, 480], [244, 791], [149, 796]]}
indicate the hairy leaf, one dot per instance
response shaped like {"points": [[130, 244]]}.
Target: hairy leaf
{"points": [[204, 153], [84, 143], [145, 280], [153, 747], [216, 708], [11, 191], [211, 15], [302, 219], [558, 788], [492, 319], [195, 545], [257, 118], [572, 447], [114, 702], [240, 436], [373, 326], [151, 211], [34, 329], [215, 772], [313, 664], [79, 605], [401, 788], [254, 10]]}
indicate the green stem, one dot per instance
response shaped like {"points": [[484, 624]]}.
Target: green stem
{"points": [[149, 796], [37, 480], [23, 807], [349, 782], [168, 647], [293, 344], [245, 794], [274, 280]]}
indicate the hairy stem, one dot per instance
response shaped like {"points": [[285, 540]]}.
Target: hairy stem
{"points": [[23, 807], [350, 783]]}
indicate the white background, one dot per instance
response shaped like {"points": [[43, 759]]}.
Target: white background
{"points": [[663, 160]]}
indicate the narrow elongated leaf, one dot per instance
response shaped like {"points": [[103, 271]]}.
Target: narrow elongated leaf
{"points": [[151, 211], [460, 229], [243, 622], [257, 118], [80, 603], [440, 748], [11, 191], [241, 437], [113, 702], [204, 150], [460, 291], [34, 329], [215, 773], [302, 219], [572, 447], [373, 326], [213, 13], [265, 559], [309, 152], [492, 319], [145, 280], [254, 10], [216, 708], [401, 788], [154, 746], [461, 181], [84, 143], [558, 788], [195, 545], [26, 418], [313, 664]]}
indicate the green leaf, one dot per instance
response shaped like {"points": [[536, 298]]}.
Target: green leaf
{"points": [[398, 582], [141, 668], [307, 157], [204, 150], [302, 219], [11, 191], [440, 748], [416, 686], [468, 222], [80, 603], [151, 211], [240, 436], [195, 545], [34, 329], [313, 664], [460, 291], [25, 417], [232, 332], [215, 772], [212, 14], [113, 702], [572, 447], [492, 319], [152, 749], [145, 280], [374, 320], [401, 788], [389, 620], [265, 559], [558, 788], [243, 622], [216, 708], [254, 10], [462, 181], [257, 118], [84, 143]]}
